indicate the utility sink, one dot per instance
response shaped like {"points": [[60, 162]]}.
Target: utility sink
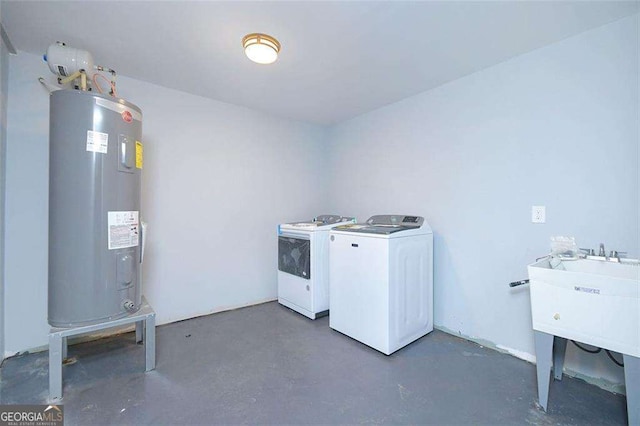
{"points": [[591, 301]]}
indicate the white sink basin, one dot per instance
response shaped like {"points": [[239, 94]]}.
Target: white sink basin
{"points": [[591, 301]]}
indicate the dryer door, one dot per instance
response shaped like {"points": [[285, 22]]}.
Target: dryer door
{"points": [[294, 256]]}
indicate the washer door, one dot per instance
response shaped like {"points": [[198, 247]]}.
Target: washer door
{"points": [[294, 256]]}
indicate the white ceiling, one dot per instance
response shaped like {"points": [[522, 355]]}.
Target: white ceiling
{"points": [[338, 60]]}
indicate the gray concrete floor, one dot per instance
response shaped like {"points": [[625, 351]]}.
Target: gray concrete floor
{"points": [[266, 364]]}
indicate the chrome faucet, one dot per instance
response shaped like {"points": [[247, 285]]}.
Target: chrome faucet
{"points": [[614, 255]]}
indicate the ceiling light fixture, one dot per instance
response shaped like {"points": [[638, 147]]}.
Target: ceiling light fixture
{"points": [[261, 48]]}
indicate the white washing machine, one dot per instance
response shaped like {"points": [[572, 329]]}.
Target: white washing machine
{"points": [[381, 281], [303, 264]]}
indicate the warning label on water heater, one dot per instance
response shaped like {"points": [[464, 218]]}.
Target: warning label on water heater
{"points": [[138, 154], [97, 141], [124, 229]]}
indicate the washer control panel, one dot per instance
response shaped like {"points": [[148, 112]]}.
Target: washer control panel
{"points": [[396, 220]]}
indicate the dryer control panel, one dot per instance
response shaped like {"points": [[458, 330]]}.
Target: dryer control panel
{"points": [[328, 219]]}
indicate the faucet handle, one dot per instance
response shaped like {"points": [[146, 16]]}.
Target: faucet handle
{"points": [[617, 254], [588, 252]]}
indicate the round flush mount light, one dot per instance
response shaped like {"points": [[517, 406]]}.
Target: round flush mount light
{"points": [[261, 48]]}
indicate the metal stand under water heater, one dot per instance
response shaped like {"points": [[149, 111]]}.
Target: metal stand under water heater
{"points": [[95, 232]]}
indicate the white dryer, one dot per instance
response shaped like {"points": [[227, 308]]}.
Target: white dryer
{"points": [[381, 281], [303, 264]]}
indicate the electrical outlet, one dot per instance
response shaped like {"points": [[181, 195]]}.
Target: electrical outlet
{"points": [[538, 214]]}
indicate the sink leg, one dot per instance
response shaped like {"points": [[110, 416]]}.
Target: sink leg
{"points": [[544, 350], [559, 349], [632, 383]]}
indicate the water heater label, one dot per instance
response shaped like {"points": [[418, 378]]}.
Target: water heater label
{"points": [[138, 154], [123, 229], [97, 141]]}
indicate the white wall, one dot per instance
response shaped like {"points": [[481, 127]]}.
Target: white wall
{"points": [[217, 180], [555, 127]]}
